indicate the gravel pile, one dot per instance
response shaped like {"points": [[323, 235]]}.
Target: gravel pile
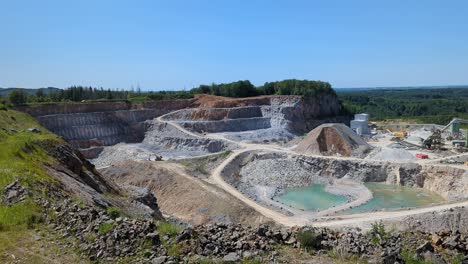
{"points": [[392, 154], [333, 139]]}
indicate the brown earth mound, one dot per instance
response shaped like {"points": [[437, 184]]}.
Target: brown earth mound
{"points": [[213, 101], [333, 139]]}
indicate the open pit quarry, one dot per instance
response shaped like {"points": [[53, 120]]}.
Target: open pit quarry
{"points": [[249, 160]]}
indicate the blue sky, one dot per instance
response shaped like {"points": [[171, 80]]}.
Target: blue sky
{"points": [[180, 44]]}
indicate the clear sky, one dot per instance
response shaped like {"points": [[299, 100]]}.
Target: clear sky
{"points": [[180, 44]]}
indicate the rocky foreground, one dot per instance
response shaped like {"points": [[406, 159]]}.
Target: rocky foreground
{"points": [[107, 236]]}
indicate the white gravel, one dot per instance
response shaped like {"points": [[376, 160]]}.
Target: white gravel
{"points": [[391, 154]]}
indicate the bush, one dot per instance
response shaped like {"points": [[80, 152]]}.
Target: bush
{"points": [[18, 97], [3, 107], [113, 212], [308, 239], [378, 233]]}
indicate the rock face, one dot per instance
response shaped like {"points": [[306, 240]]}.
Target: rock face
{"points": [[79, 178], [290, 113], [88, 125], [333, 139]]}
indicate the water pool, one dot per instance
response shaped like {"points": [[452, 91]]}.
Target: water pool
{"points": [[313, 197], [395, 197]]}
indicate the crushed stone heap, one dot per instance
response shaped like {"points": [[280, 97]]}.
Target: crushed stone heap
{"points": [[333, 139]]}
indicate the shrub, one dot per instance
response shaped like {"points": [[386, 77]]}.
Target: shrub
{"points": [[308, 239], [378, 233], [113, 212], [3, 107]]}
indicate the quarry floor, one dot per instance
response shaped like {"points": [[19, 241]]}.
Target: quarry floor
{"points": [[214, 185]]}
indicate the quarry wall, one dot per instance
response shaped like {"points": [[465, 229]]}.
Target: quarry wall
{"points": [[291, 171], [90, 124]]}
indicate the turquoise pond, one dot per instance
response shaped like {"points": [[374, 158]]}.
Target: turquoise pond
{"points": [[395, 197], [313, 198], [386, 196]]}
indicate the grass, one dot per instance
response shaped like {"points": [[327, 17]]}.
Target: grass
{"points": [[90, 237], [174, 250], [226, 153], [341, 256], [20, 156], [28, 246], [19, 216], [166, 228], [410, 257], [105, 228], [22, 159]]}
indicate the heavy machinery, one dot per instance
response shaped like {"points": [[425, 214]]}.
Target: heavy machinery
{"points": [[400, 134], [435, 141]]}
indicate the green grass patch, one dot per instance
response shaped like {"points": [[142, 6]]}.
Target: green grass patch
{"points": [[20, 216], [174, 250], [166, 228], [113, 212], [20, 156], [105, 228]]}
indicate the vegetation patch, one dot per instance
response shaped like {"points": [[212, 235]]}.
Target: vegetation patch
{"points": [[378, 234], [105, 228], [308, 239], [20, 216], [113, 212], [166, 228]]}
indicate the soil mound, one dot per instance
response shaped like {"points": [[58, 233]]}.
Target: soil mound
{"points": [[333, 139]]}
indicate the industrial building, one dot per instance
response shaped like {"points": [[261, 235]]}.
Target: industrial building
{"points": [[360, 124]]}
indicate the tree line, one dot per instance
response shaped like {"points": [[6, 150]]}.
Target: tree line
{"points": [[238, 89], [424, 105]]}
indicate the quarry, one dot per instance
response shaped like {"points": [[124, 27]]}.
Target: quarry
{"points": [[270, 159], [211, 179]]}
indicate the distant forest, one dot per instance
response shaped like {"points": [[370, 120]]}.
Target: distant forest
{"points": [[234, 89], [423, 105]]}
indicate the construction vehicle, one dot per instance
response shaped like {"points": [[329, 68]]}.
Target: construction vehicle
{"points": [[435, 140], [400, 134]]}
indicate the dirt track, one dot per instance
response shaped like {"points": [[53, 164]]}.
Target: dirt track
{"points": [[359, 220]]}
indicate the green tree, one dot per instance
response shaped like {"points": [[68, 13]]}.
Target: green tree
{"points": [[18, 97]]}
